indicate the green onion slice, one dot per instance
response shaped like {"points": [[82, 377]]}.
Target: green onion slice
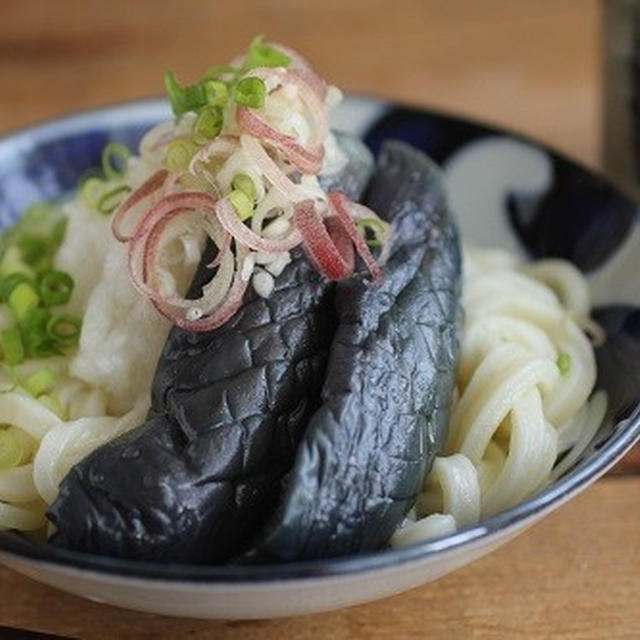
{"points": [[23, 299], [377, 227], [241, 203], [56, 288], [64, 329], [33, 329], [93, 172], [37, 213], [243, 182], [184, 99], [10, 282], [179, 154], [11, 450], [33, 248], [250, 92], [563, 363], [58, 232], [91, 191], [216, 92], [263, 55], [12, 262], [114, 160], [208, 124], [40, 382], [112, 199], [12, 347]]}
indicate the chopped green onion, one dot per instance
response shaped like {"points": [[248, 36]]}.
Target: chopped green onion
{"points": [[216, 92], [11, 450], [241, 203], [40, 382], [33, 329], [262, 55], [377, 227], [12, 347], [93, 172], [33, 248], [58, 232], [39, 223], [243, 182], [112, 199], [28, 247], [91, 191], [37, 213], [10, 282], [563, 363], [12, 262], [52, 403], [114, 160], [208, 124], [64, 329], [184, 99], [23, 299], [46, 349], [250, 92], [179, 154], [56, 288]]}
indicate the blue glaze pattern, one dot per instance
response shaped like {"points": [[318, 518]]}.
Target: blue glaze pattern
{"points": [[582, 218]]}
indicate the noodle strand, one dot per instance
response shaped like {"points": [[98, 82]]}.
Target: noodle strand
{"points": [[522, 401]]}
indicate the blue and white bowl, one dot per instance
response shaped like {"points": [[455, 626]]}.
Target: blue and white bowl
{"points": [[507, 192]]}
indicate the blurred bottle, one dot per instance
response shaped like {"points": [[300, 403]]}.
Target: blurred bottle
{"points": [[621, 86]]}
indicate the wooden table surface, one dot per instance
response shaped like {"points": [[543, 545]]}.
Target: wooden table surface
{"points": [[533, 67]]}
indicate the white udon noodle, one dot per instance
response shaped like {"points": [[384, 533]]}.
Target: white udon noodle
{"points": [[514, 413]]}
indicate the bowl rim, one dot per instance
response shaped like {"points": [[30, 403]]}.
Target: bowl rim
{"points": [[625, 432]]}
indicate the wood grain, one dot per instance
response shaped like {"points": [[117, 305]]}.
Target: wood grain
{"points": [[574, 575], [532, 67]]}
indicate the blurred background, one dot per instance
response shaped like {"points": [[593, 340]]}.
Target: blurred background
{"points": [[530, 66]]}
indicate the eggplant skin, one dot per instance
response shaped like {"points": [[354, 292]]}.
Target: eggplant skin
{"points": [[389, 381], [228, 410]]}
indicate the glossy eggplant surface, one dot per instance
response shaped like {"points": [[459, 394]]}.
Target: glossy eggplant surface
{"points": [[303, 427], [389, 381], [228, 410]]}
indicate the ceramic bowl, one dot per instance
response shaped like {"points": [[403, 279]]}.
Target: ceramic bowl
{"points": [[507, 192]]}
